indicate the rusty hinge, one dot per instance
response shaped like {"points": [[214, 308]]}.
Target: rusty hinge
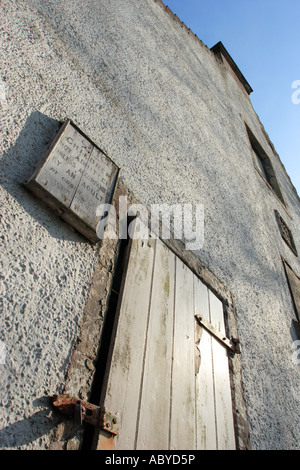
{"points": [[232, 344], [83, 411]]}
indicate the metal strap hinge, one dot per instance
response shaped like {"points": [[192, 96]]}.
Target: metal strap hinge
{"points": [[83, 411], [232, 344]]}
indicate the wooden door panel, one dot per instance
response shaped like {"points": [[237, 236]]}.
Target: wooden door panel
{"points": [[168, 378]]}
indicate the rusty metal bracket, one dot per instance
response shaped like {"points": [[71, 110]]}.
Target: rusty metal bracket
{"points": [[83, 411], [232, 344]]}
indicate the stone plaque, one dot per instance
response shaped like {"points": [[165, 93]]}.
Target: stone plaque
{"points": [[74, 178]]}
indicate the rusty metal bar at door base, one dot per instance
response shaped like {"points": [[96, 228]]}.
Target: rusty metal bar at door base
{"points": [[81, 410]]}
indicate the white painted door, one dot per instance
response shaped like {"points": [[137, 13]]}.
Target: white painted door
{"points": [[168, 378]]}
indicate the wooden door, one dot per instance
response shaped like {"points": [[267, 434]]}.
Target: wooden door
{"points": [[168, 378]]}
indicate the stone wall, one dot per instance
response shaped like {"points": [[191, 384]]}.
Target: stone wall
{"points": [[172, 116]]}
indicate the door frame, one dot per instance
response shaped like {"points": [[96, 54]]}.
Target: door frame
{"points": [[105, 271]]}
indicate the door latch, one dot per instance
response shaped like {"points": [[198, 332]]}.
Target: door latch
{"points": [[83, 411], [232, 344]]}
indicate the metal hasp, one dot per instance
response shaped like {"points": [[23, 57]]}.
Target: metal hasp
{"points": [[233, 345], [83, 411]]}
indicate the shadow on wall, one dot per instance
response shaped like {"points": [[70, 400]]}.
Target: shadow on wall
{"points": [[26, 431], [29, 430], [19, 163]]}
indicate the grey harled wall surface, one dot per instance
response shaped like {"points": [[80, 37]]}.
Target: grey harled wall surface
{"points": [[156, 99]]}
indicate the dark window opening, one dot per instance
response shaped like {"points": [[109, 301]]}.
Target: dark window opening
{"points": [[286, 233], [294, 286], [263, 165]]}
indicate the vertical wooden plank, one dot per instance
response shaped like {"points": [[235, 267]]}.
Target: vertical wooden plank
{"points": [[182, 419], [153, 427], [223, 399], [205, 397], [124, 376]]}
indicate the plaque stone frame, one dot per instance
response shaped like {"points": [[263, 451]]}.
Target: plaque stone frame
{"points": [[74, 178]]}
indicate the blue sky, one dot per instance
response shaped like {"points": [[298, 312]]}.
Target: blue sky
{"points": [[263, 38]]}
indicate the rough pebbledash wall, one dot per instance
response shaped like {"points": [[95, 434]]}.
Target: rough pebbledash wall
{"points": [[172, 116]]}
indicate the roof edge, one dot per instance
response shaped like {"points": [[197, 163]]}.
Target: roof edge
{"points": [[219, 49]]}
